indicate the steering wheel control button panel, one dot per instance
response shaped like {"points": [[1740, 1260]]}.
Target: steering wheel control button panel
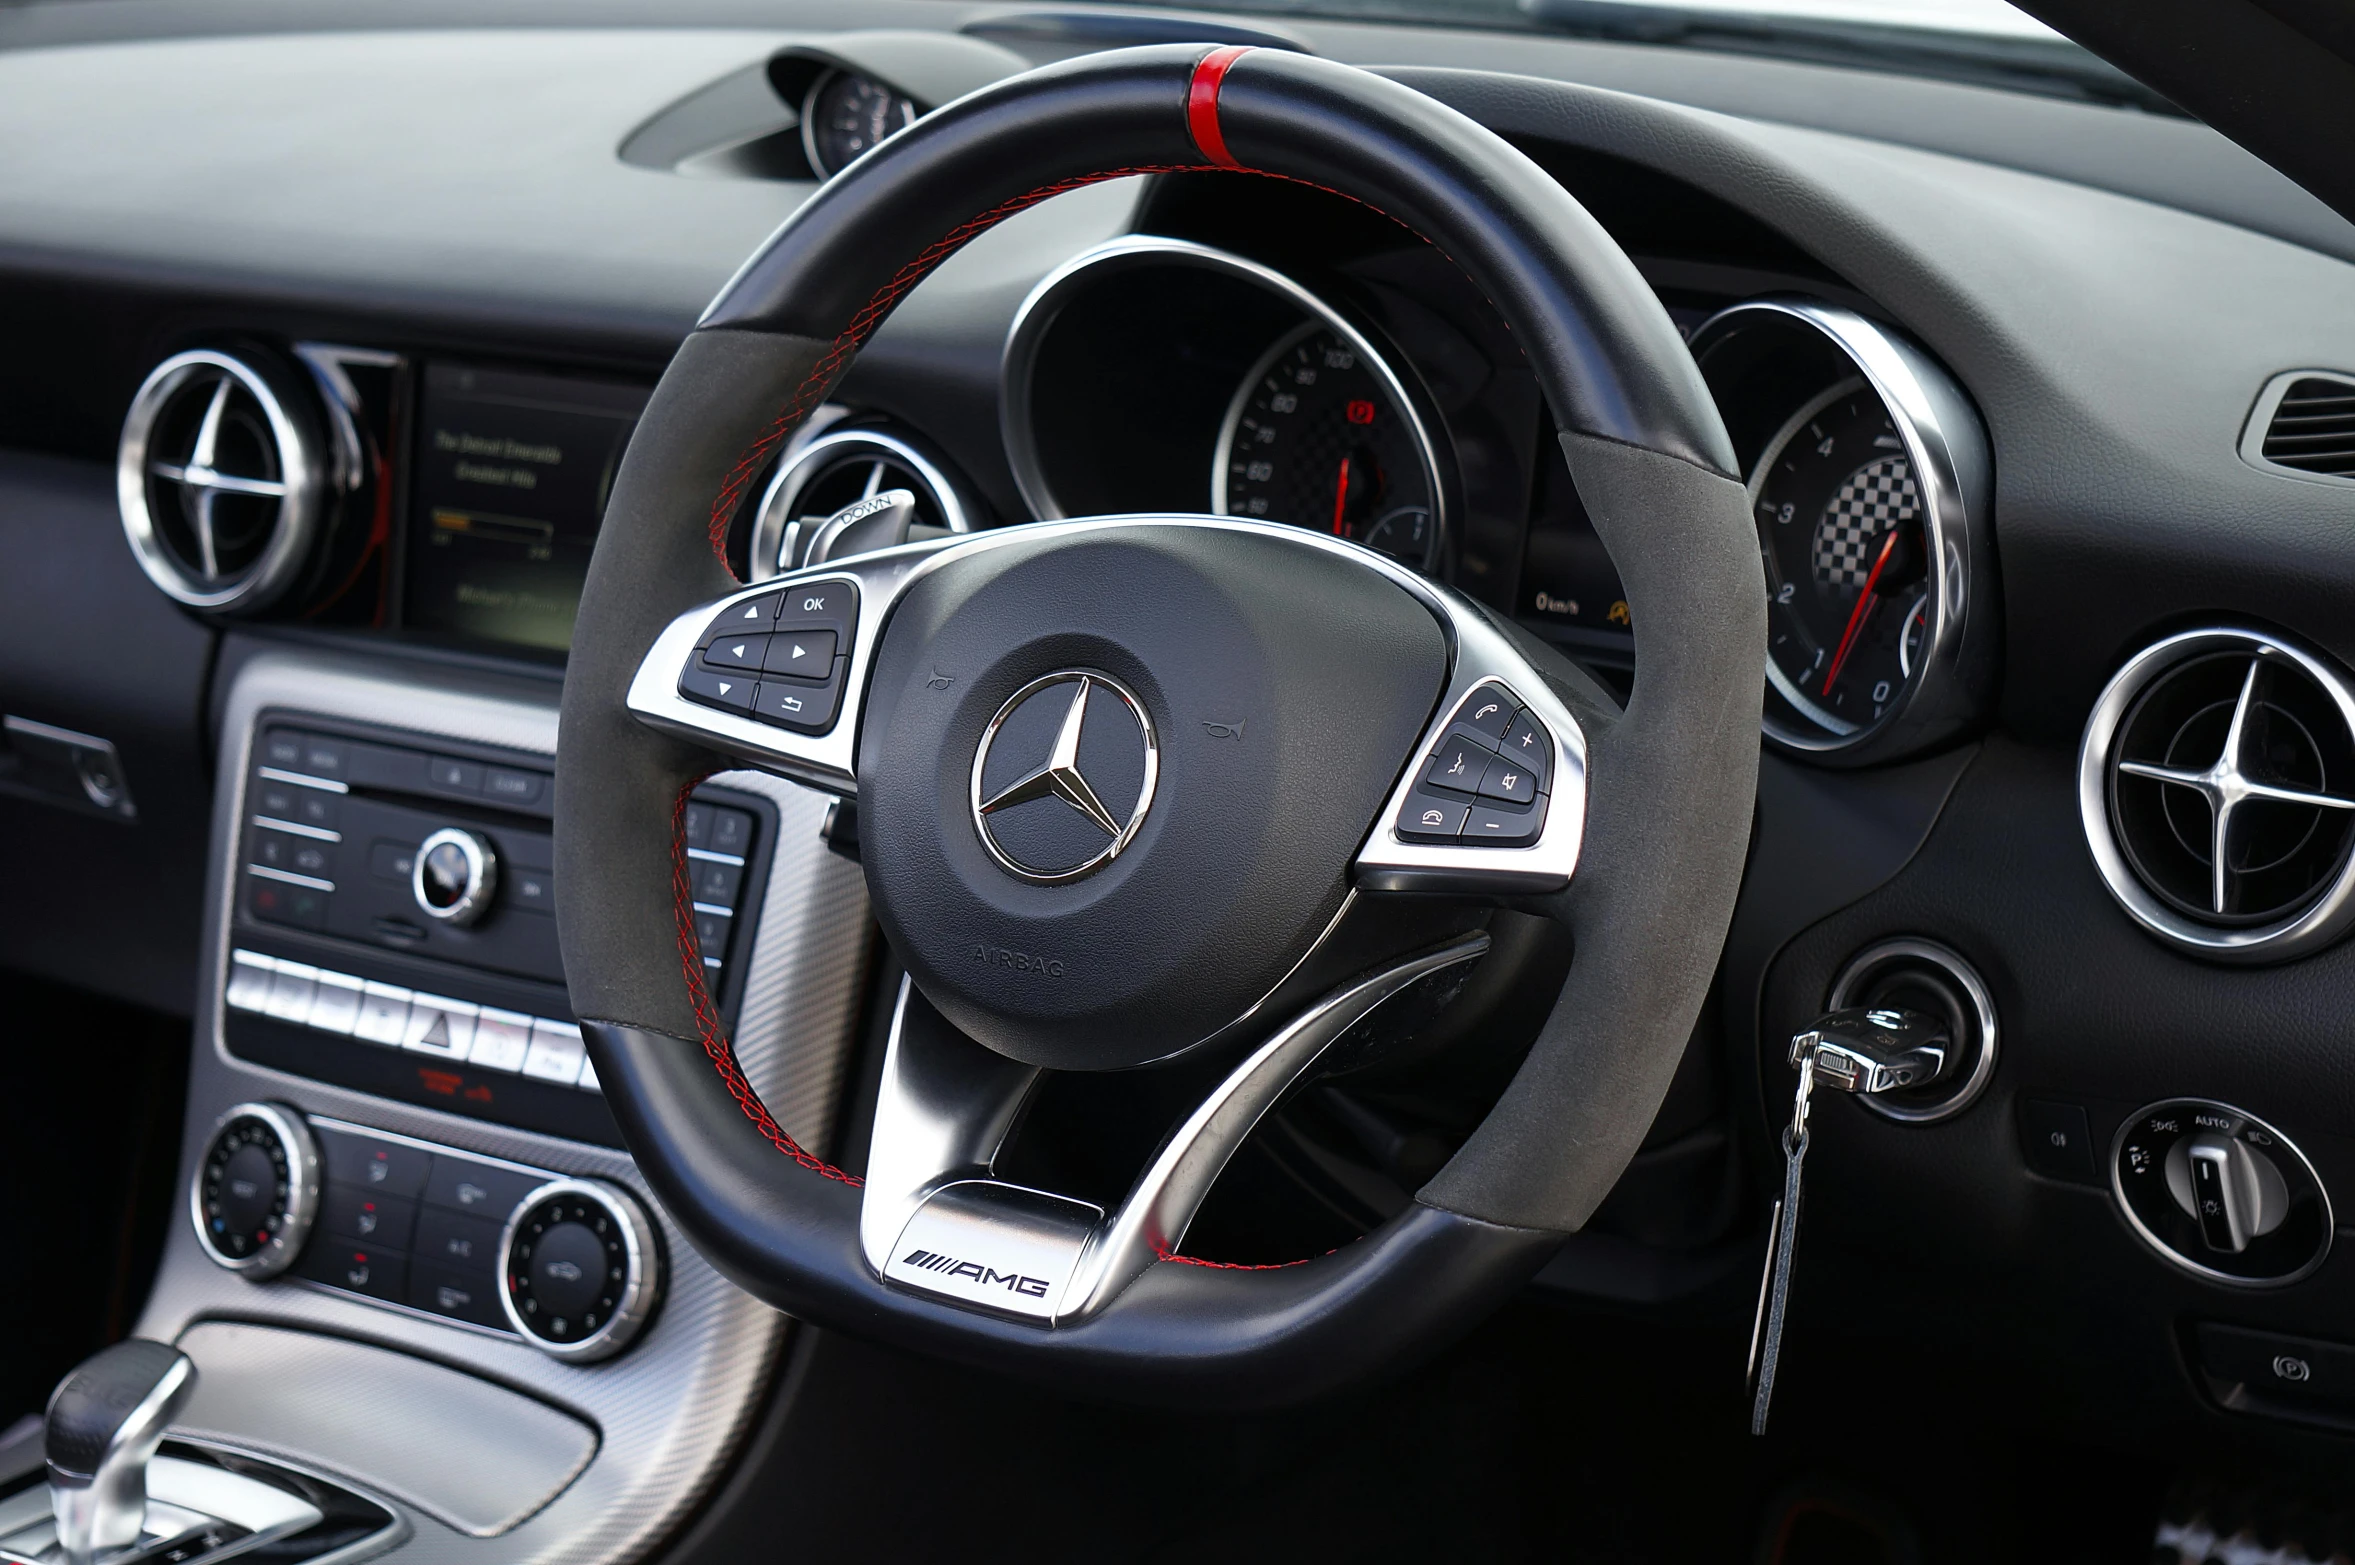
{"points": [[782, 657], [256, 1193], [2220, 1193], [1485, 782], [579, 1271]]}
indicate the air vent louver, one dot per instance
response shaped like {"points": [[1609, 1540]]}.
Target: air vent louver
{"points": [[2217, 784], [218, 484], [842, 467], [2313, 430], [2304, 424]]}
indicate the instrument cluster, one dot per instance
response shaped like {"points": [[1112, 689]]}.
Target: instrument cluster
{"points": [[1372, 402]]}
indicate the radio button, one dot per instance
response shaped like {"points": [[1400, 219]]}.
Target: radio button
{"points": [[384, 1014], [249, 981], [336, 1004], [508, 786], [501, 1040], [533, 890], [304, 907], [557, 1053], [454, 776]]}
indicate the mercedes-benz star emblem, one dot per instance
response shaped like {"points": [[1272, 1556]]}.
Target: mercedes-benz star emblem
{"points": [[1064, 776]]}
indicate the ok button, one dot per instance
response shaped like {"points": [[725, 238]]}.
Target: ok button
{"points": [[806, 655]]}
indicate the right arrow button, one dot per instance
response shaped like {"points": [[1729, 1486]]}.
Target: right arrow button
{"points": [[806, 654]]}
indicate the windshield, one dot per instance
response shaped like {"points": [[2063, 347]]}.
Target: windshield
{"points": [[1980, 42]]}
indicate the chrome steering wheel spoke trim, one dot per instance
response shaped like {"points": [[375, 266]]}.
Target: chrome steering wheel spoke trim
{"points": [[934, 1219], [1478, 653]]}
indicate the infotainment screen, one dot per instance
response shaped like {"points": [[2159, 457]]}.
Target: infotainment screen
{"points": [[509, 481]]}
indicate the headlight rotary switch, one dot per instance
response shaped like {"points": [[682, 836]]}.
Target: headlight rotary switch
{"points": [[2220, 1193], [454, 876]]}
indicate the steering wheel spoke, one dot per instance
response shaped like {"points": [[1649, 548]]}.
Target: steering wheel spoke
{"points": [[934, 1220]]}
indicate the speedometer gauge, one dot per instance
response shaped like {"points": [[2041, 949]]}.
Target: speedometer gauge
{"points": [[1319, 434], [1839, 513], [1868, 485]]}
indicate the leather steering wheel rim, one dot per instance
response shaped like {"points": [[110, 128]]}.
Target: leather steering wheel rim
{"points": [[1670, 780]]}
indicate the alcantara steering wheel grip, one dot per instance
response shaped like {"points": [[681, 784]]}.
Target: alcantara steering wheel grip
{"points": [[1238, 919]]}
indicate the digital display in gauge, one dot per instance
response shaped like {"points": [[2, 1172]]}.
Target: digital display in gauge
{"points": [[1839, 511], [1317, 437]]}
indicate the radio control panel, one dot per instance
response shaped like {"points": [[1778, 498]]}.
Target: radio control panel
{"points": [[394, 927]]}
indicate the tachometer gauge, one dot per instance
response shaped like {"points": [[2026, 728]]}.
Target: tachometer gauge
{"points": [[1839, 515], [1868, 486], [1320, 434], [845, 114]]}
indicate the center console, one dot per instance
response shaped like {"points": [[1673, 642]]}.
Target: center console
{"points": [[415, 1257]]}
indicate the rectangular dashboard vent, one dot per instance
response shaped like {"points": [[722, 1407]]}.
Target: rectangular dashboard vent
{"points": [[2307, 421]]}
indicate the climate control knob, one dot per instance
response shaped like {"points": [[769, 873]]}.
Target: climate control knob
{"points": [[454, 876], [579, 1269], [257, 1189]]}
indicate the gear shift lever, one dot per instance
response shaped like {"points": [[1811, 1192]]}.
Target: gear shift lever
{"points": [[105, 1422]]}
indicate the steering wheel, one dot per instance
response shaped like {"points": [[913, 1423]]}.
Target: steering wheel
{"points": [[1137, 792]]}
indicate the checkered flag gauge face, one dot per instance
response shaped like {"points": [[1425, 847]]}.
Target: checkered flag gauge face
{"points": [[1876, 497]]}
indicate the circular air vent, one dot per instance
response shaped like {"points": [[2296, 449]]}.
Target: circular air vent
{"points": [[2217, 786], [219, 484], [842, 467]]}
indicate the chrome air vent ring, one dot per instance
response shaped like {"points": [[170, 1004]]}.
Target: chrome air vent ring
{"points": [[220, 482], [2216, 785]]}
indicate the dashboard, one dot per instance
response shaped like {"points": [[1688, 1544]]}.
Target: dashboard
{"points": [[2041, 411]]}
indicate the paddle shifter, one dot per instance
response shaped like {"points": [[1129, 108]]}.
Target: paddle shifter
{"points": [[105, 1421]]}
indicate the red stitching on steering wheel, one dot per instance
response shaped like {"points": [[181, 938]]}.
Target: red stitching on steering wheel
{"points": [[716, 1042], [862, 325]]}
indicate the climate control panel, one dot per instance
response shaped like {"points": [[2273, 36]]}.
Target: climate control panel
{"points": [[573, 1266]]}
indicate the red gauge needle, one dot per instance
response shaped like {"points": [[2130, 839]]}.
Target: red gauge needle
{"points": [[1858, 615], [1340, 497]]}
